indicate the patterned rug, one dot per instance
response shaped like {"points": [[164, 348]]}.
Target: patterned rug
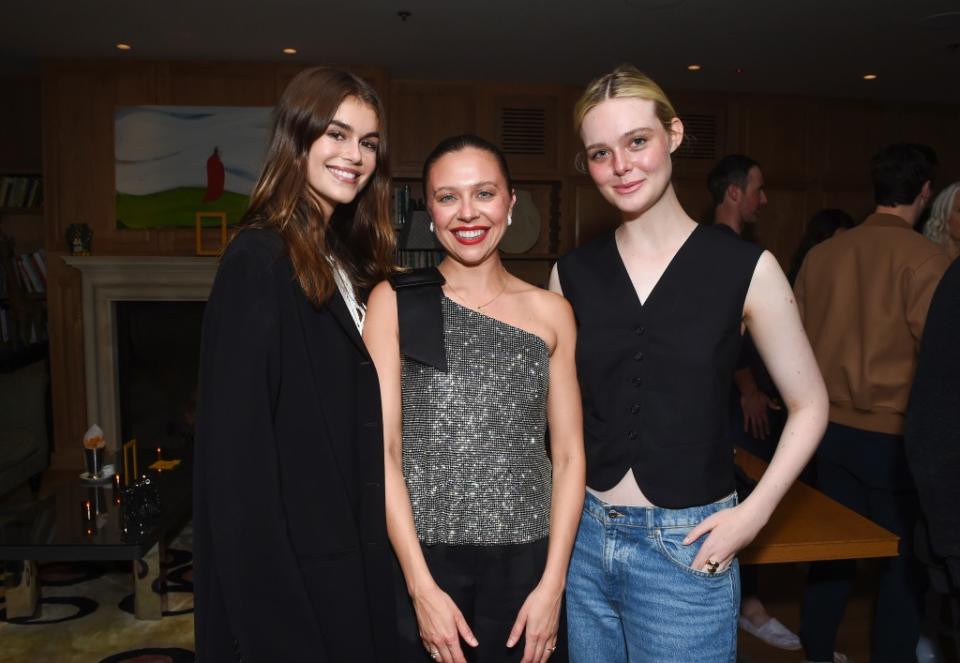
{"points": [[86, 615]]}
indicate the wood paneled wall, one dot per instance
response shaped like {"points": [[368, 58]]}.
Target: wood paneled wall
{"points": [[814, 154]]}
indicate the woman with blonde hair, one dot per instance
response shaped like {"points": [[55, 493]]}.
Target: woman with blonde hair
{"points": [[291, 558], [661, 303], [943, 226]]}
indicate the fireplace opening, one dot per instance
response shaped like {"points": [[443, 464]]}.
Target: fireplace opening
{"points": [[158, 352]]}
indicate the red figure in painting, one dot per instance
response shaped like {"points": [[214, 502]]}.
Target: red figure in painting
{"points": [[215, 177]]}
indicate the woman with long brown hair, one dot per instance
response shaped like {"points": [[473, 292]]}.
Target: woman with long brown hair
{"points": [[291, 558]]}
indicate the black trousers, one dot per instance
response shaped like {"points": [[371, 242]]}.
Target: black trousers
{"points": [[489, 584], [867, 472]]}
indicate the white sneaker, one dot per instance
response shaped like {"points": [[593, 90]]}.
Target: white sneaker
{"points": [[837, 658], [773, 632]]}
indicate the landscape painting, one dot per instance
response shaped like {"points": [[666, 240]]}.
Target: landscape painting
{"points": [[175, 161]]}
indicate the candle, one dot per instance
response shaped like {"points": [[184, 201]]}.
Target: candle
{"points": [[86, 510], [116, 482], [159, 453]]}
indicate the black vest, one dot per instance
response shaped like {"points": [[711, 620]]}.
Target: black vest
{"points": [[656, 378]]}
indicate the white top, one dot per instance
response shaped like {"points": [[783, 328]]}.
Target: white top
{"points": [[357, 309]]}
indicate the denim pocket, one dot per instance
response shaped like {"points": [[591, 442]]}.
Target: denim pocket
{"points": [[670, 544]]}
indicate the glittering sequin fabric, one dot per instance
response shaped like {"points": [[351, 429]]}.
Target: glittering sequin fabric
{"points": [[473, 438]]}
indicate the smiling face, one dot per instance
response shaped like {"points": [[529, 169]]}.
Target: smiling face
{"points": [[341, 161], [469, 200], [628, 152]]}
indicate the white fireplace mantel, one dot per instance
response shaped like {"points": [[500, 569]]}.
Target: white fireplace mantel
{"points": [[109, 279]]}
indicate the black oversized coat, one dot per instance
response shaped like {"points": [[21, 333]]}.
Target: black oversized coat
{"points": [[291, 556]]}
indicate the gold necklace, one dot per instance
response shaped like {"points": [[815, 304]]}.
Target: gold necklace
{"points": [[480, 308]]}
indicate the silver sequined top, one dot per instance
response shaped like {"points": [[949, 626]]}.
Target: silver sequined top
{"points": [[474, 457]]}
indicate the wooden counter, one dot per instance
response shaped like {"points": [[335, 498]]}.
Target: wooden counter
{"points": [[809, 526]]}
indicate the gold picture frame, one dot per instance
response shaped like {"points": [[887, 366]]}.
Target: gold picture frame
{"points": [[130, 448], [202, 250]]}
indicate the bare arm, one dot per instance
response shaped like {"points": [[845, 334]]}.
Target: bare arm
{"points": [[540, 613], [441, 622], [771, 315]]}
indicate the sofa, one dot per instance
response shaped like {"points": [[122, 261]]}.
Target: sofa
{"points": [[24, 436]]}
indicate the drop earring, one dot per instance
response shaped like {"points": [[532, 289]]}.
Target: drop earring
{"points": [[432, 228], [509, 219]]}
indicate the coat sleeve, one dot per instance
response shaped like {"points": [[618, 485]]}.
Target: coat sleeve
{"points": [[250, 550]]}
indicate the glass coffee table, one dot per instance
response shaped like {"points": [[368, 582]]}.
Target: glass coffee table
{"points": [[56, 529]]}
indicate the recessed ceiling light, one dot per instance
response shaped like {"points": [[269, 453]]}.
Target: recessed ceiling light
{"points": [[694, 67], [124, 47], [290, 51], [869, 77]]}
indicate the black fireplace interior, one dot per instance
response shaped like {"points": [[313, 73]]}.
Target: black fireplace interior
{"points": [[158, 348]]}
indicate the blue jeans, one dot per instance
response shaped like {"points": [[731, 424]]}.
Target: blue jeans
{"points": [[632, 596]]}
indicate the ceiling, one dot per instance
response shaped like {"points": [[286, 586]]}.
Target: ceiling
{"points": [[814, 47]]}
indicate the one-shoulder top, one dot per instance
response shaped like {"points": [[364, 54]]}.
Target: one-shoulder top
{"points": [[474, 454]]}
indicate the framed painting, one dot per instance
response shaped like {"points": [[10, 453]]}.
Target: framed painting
{"points": [[173, 162]]}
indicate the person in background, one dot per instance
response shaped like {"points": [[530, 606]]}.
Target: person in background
{"points": [[822, 226], [474, 365], [661, 303], [943, 226], [932, 431], [863, 297], [737, 188], [291, 558]]}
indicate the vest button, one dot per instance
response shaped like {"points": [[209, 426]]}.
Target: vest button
{"points": [[638, 356], [632, 434], [639, 331], [635, 408], [637, 382]]}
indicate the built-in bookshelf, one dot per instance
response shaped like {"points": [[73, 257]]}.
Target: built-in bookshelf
{"points": [[416, 245], [23, 261], [21, 193]]}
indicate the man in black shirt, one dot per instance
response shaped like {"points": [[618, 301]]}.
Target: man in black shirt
{"points": [[736, 185]]}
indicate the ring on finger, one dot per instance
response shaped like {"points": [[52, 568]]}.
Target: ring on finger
{"points": [[712, 566], [435, 654]]}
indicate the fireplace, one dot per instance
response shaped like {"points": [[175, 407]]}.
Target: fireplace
{"points": [[109, 280]]}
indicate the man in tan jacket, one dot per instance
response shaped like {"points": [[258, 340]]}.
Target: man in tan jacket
{"points": [[863, 296]]}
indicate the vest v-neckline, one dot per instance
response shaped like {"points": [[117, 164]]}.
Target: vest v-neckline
{"points": [[625, 274]]}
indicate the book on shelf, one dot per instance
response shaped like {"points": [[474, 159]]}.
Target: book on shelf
{"points": [[18, 191], [31, 271]]}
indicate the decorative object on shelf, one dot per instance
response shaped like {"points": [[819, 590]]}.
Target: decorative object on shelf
{"points": [[170, 161], [524, 232], [79, 239], [198, 233]]}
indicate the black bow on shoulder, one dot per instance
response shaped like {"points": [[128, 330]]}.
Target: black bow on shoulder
{"points": [[420, 316]]}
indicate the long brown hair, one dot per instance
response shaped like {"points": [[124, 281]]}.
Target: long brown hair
{"points": [[359, 236]]}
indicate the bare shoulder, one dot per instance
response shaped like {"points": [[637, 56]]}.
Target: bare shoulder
{"points": [[382, 294]]}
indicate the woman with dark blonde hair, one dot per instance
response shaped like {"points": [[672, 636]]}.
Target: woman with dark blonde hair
{"points": [[291, 558], [661, 303]]}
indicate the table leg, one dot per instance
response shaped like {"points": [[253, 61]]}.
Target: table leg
{"points": [[149, 601], [22, 588]]}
